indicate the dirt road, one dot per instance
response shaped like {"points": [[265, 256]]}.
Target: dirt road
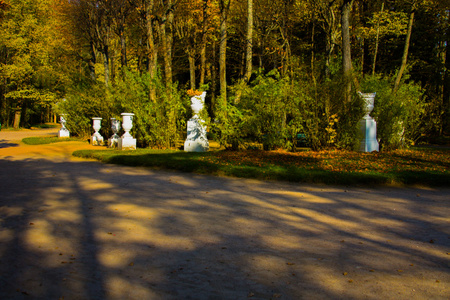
{"points": [[77, 229]]}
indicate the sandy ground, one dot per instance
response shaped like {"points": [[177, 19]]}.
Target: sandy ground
{"points": [[77, 229]]}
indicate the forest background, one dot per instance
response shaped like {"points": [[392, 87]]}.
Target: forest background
{"points": [[272, 68]]}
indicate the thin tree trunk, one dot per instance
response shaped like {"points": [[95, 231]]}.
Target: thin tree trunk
{"points": [[17, 117], [191, 57], [223, 49], [346, 50], [123, 45], [151, 49], [167, 40], [106, 63], [249, 50], [405, 51], [113, 66], [92, 61], [203, 45], [213, 76], [446, 90], [313, 29], [377, 42]]}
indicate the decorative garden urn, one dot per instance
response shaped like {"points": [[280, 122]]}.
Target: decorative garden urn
{"points": [[127, 142], [369, 100], [367, 125], [127, 123]]}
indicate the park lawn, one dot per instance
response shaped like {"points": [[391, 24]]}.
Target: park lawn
{"points": [[421, 166], [47, 140]]}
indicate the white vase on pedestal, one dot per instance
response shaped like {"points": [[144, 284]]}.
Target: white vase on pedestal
{"points": [[196, 140], [63, 132], [113, 141], [368, 126], [96, 138], [127, 142]]}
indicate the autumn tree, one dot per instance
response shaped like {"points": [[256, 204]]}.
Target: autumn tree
{"points": [[30, 79]]}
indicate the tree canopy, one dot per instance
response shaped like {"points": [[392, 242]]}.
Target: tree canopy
{"points": [[49, 47]]}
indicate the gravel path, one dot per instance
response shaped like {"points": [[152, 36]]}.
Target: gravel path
{"points": [[77, 229]]}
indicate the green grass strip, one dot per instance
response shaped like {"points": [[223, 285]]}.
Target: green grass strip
{"points": [[46, 140]]}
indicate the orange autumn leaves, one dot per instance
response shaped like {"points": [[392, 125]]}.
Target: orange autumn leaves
{"points": [[337, 160]]}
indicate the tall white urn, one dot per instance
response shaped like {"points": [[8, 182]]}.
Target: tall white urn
{"points": [[368, 126], [127, 142]]}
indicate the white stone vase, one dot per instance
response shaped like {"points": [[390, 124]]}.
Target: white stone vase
{"points": [[127, 124], [369, 100], [127, 142]]}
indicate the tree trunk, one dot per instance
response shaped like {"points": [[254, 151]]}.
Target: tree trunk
{"points": [[405, 51], [224, 5], [167, 40], [123, 57], [446, 91], [17, 117], [346, 50], [151, 49], [106, 63], [214, 76], [249, 51], [113, 66], [203, 45], [191, 57], [92, 61], [377, 42]]}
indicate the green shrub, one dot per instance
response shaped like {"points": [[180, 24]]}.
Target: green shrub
{"points": [[157, 123]]}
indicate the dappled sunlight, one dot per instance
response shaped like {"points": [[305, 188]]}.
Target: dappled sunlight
{"points": [[10, 211], [326, 219], [304, 197], [118, 233], [91, 184], [124, 288], [115, 258]]}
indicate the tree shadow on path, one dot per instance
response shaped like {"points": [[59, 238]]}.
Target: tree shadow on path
{"points": [[84, 230]]}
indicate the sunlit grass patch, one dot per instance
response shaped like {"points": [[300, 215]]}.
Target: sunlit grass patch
{"points": [[46, 140], [417, 166]]}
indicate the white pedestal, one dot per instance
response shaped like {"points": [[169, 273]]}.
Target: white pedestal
{"points": [[368, 129], [126, 143], [196, 140], [62, 133]]}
